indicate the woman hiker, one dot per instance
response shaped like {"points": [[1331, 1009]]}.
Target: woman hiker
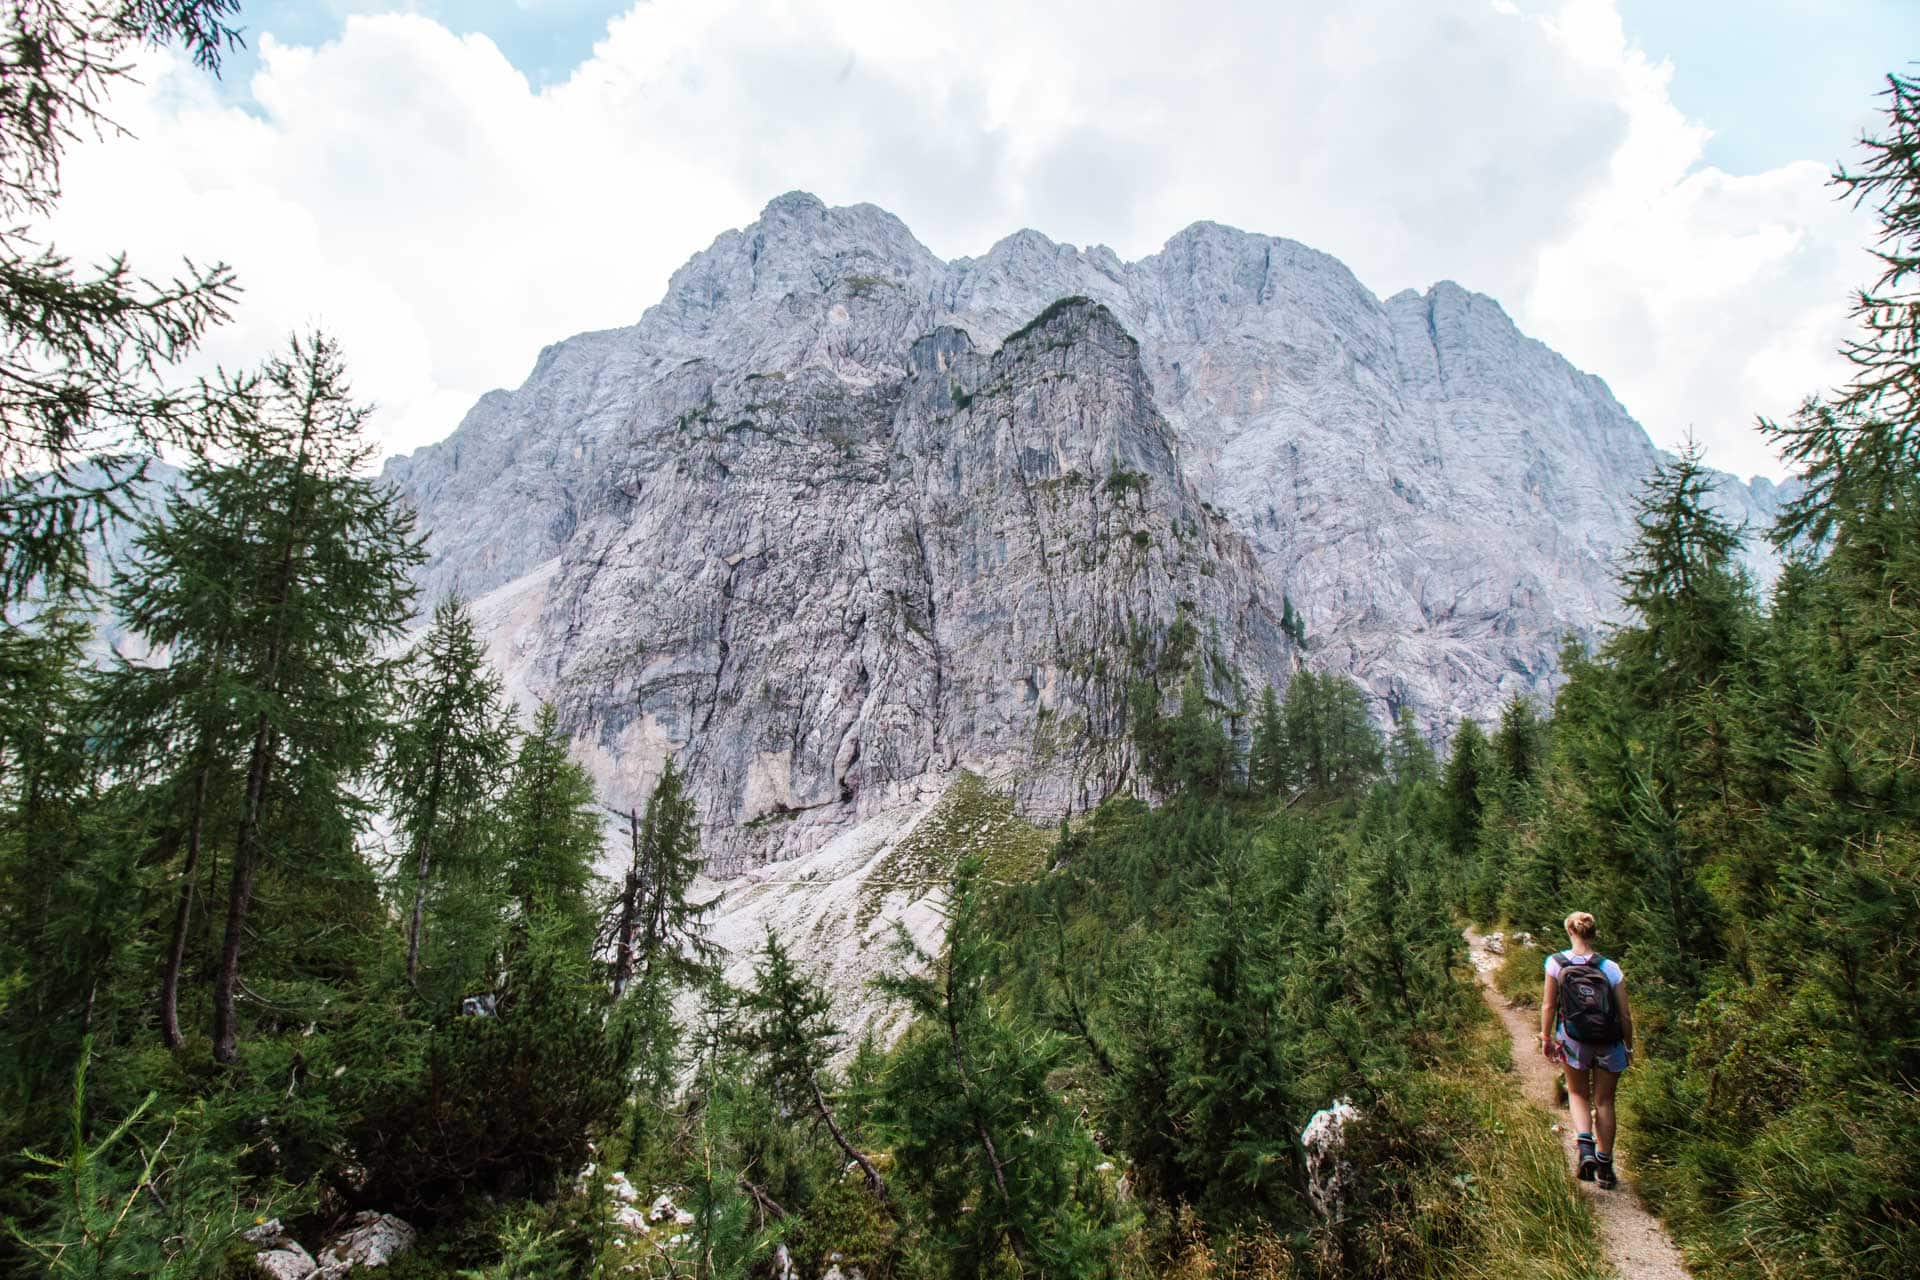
{"points": [[1586, 1026]]}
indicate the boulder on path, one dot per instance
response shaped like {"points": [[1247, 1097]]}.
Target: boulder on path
{"points": [[374, 1240], [1495, 943]]}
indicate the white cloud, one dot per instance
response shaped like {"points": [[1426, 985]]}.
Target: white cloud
{"points": [[409, 190]]}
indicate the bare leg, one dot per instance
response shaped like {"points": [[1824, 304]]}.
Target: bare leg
{"points": [[1577, 1104], [1604, 1083]]}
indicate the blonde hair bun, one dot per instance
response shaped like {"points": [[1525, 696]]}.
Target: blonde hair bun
{"points": [[1581, 925]]}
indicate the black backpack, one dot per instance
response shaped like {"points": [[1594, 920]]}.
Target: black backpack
{"points": [[1587, 1008]]}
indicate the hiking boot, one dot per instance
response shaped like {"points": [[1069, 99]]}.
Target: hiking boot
{"points": [[1604, 1171], [1589, 1162]]}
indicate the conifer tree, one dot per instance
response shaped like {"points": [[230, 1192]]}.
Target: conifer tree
{"points": [[1410, 758], [174, 722], [1518, 743], [1467, 768], [1858, 455], [323, 589], [84, 355], [975, 1123], [651, 923], [787, 1027], [450, 745], [70, 882], [1269, 764], [1334, 744], [550, 832], [1202, 753], [1682, 584]]}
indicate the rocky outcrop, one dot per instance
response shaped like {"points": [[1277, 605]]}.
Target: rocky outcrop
{"points": [[1329, 1168], [819, 592], [837, 519]]}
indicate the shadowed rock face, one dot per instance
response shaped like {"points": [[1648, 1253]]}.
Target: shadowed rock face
{"points": [[837, 518]]}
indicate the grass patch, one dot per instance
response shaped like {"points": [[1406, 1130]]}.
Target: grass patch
{"points": [[971, 819], [864, 286], [1522, 972], [1527, 1216]]}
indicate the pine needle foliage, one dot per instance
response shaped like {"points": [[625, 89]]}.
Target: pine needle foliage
{"points": [[86, 354], [443, 761]]}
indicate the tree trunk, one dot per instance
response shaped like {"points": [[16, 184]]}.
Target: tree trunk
{"points": [[183, 915], [424, 863], [623, 954], [246, 859], [866, 1165], [419, 909], [246, 850]]}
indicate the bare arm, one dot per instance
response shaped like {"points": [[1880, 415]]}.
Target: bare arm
{"points": [[1549, 1001], [1626, 1014]]}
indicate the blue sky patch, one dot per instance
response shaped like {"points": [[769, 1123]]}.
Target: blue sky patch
{"points": [[545, 39]]}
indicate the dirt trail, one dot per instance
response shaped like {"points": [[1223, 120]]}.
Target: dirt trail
{"points": [[1636, 1243]]}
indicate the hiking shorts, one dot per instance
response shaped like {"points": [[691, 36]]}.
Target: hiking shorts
{"points": [[1581, 1055]]}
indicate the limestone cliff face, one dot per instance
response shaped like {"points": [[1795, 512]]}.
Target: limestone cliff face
{"points": [[826, 595], [837, 518]]}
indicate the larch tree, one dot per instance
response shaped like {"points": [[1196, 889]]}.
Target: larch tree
{"points": [[171, 721], [324, 589], [451, 743], [550, 834], [652, 925], [785, 1023], [1269, 763]]}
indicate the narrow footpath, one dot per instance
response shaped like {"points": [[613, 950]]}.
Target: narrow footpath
{"points": [[1636, 1243]]}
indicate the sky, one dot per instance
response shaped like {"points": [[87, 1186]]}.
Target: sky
{"points": [[450, 185]]}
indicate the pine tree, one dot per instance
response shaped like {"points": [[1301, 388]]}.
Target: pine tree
{"points": [[1202, 753], [71, 883], [1410, 759], [1330, 738], [323, 589], [1518, 744], [550, 832], [174, 722], [787, 1028], [974, 1121], [1858, 455], [1682, 584], [651, 923], [450, 745], [1467, 767], [83, 401], [1269, 765]]}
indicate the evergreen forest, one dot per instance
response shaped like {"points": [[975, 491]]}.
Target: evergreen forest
{"points": [[300, 919]]}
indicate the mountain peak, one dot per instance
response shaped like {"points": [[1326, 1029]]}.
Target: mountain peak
{"points": [[837, 516], [793, 204]]}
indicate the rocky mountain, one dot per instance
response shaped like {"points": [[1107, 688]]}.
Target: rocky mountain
{"points": [[837, 520]]}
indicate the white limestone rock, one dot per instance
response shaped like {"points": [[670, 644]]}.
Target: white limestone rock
{"points": [[834, 519], [374, 1240], [1329, 1171], [287, 1263]]}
